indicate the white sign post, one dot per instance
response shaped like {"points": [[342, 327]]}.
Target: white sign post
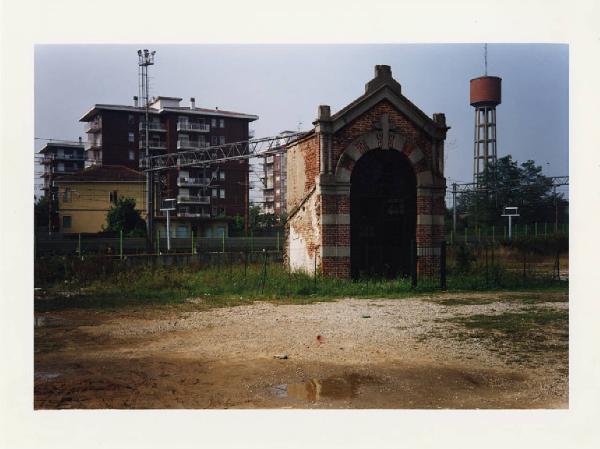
{"points": [[167, 206], [510, 212]]}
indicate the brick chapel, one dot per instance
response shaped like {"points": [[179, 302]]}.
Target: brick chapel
{"points": [[366, 187]]}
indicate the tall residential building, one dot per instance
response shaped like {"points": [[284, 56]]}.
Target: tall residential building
{"points": [[116, 136], [275, 180], [60, 158], [57, 159]]}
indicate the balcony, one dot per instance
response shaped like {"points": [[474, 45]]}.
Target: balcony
{"points": [[194, 214], [72, 157], [193, 199], [193, 127], [193, 182], [154, 126], [154, 145], [191, 145], [94, 126], [93, 146], [269, 198]]}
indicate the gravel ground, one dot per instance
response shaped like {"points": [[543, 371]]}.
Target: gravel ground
{"points": [[363, 353]]}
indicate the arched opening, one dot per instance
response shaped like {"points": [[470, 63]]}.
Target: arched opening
{"points": [[383, 211]]}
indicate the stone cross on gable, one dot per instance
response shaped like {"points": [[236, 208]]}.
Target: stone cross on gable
{"points": [[385, 126]]}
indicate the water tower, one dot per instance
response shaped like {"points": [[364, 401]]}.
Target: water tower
{"points": [[485, 96]]}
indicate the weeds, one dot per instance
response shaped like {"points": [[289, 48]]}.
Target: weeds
{"points": [[95, 284]]}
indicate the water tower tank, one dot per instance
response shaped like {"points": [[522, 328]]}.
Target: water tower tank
{"points": [[486, 91]]}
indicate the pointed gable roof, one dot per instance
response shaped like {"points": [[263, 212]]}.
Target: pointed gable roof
{"points": [[384, 87]]}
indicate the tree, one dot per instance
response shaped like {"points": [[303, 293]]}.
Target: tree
{"points": [[259, 220], [123, 216], [40, 212], [508, 184]]}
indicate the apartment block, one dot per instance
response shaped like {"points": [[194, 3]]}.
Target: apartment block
{"points": [[60, 158], [117, 133], [275, 180]]}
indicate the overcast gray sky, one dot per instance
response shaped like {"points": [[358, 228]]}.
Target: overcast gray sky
{"points": [[284, 84]]}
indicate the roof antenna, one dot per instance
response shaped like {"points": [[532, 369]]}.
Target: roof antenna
{"points": [[485, 58]]}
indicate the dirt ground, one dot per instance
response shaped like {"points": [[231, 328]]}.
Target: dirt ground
{"points": [[350, 353]]}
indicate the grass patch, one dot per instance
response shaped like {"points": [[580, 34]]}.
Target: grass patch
{"points": [[113, 286], [537, 298], [465, 301], [517, 335], [515, 323]]}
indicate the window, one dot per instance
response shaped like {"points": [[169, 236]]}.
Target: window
{"points": [[221, 175], [214, 193], [131, 137], [60, 166], [130, 119], [67, 195], [112, 197], [222, 193], [131, 155], [182, 231], [214, 140], [66, 222], [213, 123], [221, 140], [222, 123]]}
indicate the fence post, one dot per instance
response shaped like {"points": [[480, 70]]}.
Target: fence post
{"points": [[158, 242], [443, 266], [192, 243], [121, 244], [262, 288], [413, 263], [493, 233]]}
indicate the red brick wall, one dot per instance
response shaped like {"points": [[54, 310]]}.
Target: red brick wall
{"points": [[364, 124]]}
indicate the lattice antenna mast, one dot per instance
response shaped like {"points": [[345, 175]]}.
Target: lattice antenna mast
{"points": [[485, 58], [146, 59]]}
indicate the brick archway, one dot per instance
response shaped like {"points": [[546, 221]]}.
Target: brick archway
{"points": [[429, 214], [321, 162]]}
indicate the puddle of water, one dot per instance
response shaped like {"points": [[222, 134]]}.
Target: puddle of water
{"points": [[317, 389], [48, 321], [46, 376]]}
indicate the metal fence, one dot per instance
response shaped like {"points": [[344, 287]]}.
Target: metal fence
{"points": [[499, 233], [123, 246]]}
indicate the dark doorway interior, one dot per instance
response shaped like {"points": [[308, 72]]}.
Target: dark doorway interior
{"points": [[383, 214]]}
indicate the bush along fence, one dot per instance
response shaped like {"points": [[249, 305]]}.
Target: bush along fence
{"points": [[524, 261]]}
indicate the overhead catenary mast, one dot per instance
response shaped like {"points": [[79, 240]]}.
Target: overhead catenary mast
{"points": [[146, 59]]}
